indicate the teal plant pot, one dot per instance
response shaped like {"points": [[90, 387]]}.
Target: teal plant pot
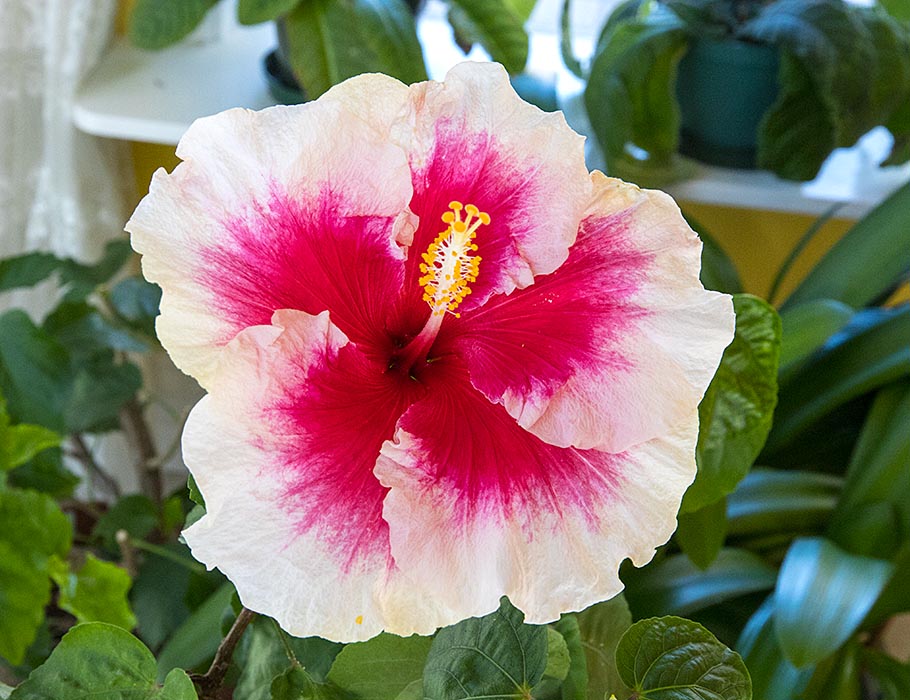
{"points": [[724, 87]]}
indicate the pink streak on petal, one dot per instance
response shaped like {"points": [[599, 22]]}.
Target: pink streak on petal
{"points": [[532, 341], [309, 256], [333, 416], [494, 468]]}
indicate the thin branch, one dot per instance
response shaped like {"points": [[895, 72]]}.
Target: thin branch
{"points": [[166, 553], [210, 682], [127, 553], [82, 452], [133, 423]]}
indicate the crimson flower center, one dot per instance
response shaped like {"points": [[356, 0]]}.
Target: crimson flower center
{"points": [[449, 267]]}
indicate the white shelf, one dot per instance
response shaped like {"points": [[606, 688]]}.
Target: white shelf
{"points": [[153, 96]]}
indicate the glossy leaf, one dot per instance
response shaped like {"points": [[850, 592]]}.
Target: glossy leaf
{"points": [[676, 586], [97, 592], [494, 655], [670, 658], [630, 96], [380, 668], [27, 270], [769, 502], [33, 531], [499, 29], [155, 24], [332, 40], [702, 532], [736, 413], [867, 262], [256, 11], [861, 360], [822, 596], [773, 676], [601, 627], [806, 327], [96, 660]]}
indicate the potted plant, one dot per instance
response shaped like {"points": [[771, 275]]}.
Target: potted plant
{"points": [[776, 84], [322, 42]]}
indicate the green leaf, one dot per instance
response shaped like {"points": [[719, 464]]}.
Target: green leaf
{"points": [[194, 493], [891, 676], [822, 596], [558, 659], [256, 11], [296, 684], [196, 640], [81, 279], [380, 668], [33, 530], [95, 593], [27, 270], [769, 502], [46, 473], [867, 262], [262, 656], [159, 595], [675, 585], [837, 677], [332, 40], [136, 514], [97, 661], [494, 655], [136, 302], [736, 412], [669, 658], [630, 97], [86, 333], [22, 443], [805, 328], [575, 681], [5, 691], [565, 41], [773, 677], [702, 532], [500, 31], [601, 626], [856, 362], [155, 24], [895, 598], [717, 269]]}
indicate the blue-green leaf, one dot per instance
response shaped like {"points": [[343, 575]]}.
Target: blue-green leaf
{"points": [[27, 270], [822, 596]]}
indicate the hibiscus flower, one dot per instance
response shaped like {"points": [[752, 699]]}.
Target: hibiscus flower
{"points": [[444, 362]]}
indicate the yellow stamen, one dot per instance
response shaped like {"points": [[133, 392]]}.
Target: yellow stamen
{"points": [[359, 619], [449, 263]]}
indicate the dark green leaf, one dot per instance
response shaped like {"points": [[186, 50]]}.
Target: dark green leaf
{"points": [[136, 301], [296, 684], [155, 24], [565, 41], [895, 598], [872, 530], [575, 683], [380, 668], [136, 514], [769, 502], [256, 11], [601, 627], [669, 658], [33, 530], [702, 532], [822, 596], [97, 661], [331, 40], [675, 585], [82, 279], [773, 677], [21, 443], [891, 676], [494, 655], [899, 126], [867, 262], [717, 269], [27, 270], [45, 473], [97, 592], [195, 641], [837, 677], [499, 30], [630, 97], [86, 333], [736, 412], [854, 363], [805, 328], [159, 595]]}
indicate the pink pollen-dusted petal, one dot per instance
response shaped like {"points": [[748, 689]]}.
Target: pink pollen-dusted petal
{"points": [[480, 508], [614, 347]]}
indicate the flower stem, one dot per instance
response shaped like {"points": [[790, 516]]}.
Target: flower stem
{"points": [[210, 682]]}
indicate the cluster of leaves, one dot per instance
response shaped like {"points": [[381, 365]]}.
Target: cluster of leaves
{"points": [[799, 562], [328, 41], [844, 69]]}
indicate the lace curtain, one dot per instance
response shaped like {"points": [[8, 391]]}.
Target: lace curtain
{"points": [[60, 190]]}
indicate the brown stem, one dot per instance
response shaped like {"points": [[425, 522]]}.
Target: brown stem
{"points": [[85, 456], [133, 423], [210, 682], [127, 553]]}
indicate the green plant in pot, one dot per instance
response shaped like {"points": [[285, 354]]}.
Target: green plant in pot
{"points": [[744, 83], [323, 42]]}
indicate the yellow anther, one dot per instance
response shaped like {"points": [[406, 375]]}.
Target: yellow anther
{"points": [[448, 217], [359, 619], [456, 205], [472, 210]]}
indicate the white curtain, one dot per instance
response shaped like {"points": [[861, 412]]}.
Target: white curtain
{"points": [[60, 189]]}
